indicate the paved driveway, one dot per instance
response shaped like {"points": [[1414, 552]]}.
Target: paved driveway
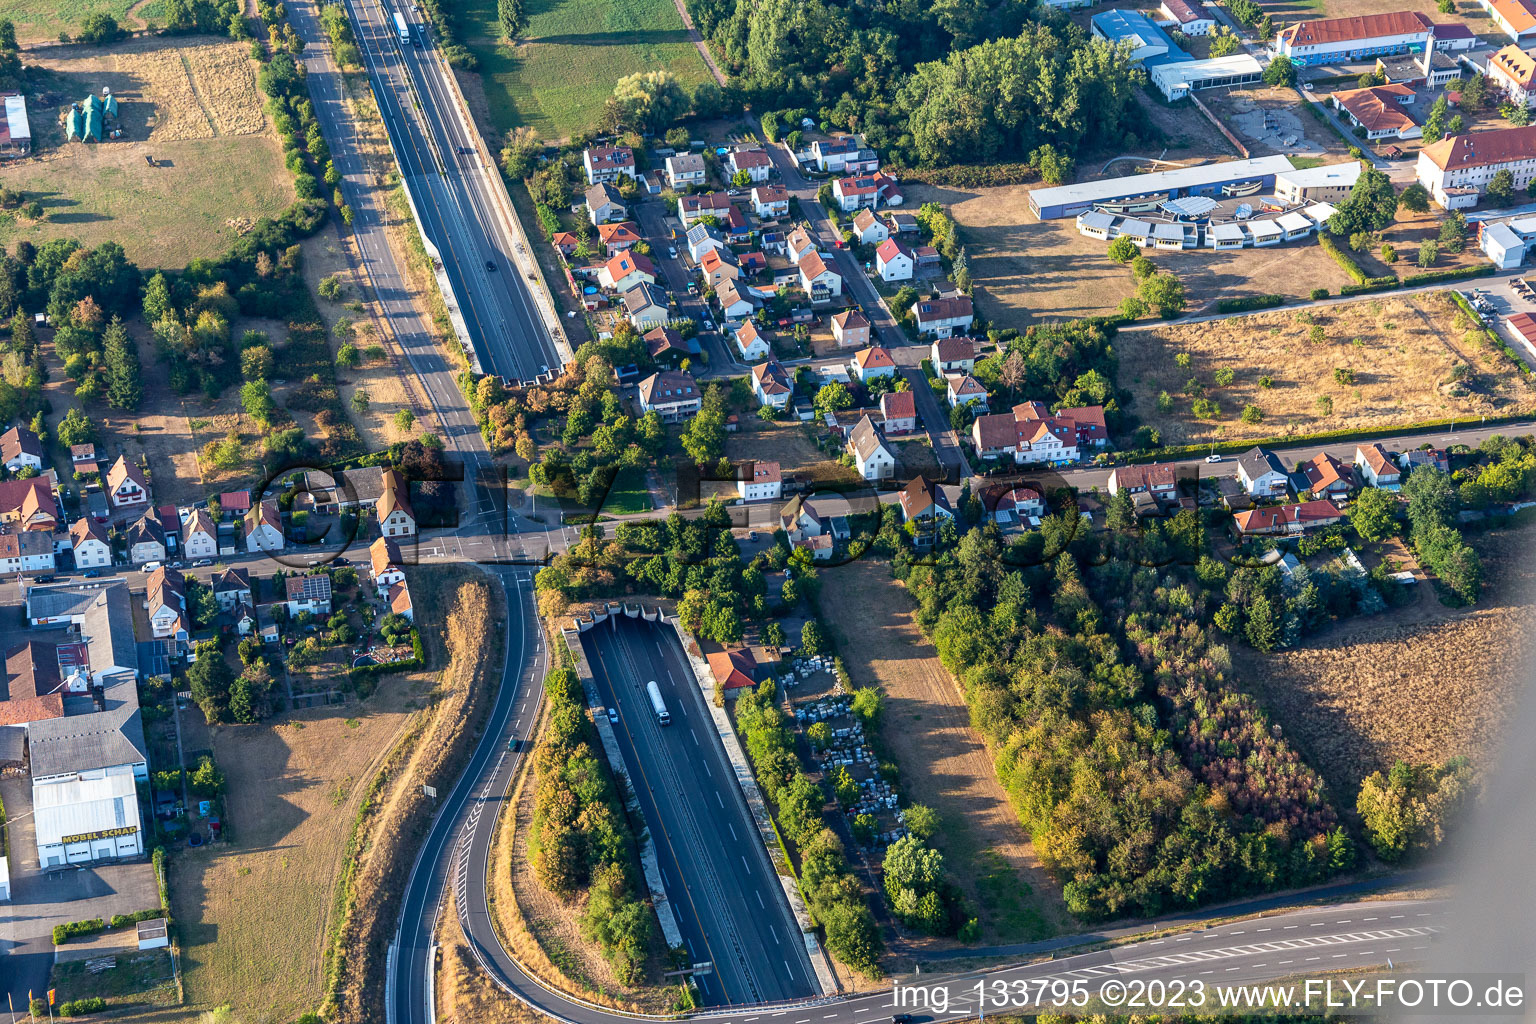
{"points": [[39, 901]]}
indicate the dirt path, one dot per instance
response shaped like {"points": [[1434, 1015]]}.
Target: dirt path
{"points": [[699, 43], [944, 763]]}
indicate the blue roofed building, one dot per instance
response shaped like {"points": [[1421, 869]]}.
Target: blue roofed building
{"points": [[1150, 45]]}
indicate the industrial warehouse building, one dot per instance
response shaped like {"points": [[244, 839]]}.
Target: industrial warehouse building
{"points": [[88, 819], [1139, 193], [1177, 80]]}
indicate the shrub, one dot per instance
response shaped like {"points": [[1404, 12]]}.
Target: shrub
{"points": [[81, 1007], [1249, 302], [1319, 293]]}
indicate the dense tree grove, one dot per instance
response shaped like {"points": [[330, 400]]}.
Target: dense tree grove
{"points": [[958, 81], [580, 838], [1407, 810], [1146, 780]]}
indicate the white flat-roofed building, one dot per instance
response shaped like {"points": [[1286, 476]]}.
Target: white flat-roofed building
{"points": [[1331, 183], [1231, 178], [1180, 78], [1167, 236], [1294, 225], [1502, 245], [1318, 213], [1095, 224], [1264, 232], [1138, 231], [84, 820], [1226, 236], [17, 137]]}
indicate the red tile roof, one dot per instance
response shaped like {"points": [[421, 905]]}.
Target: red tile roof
{"points": [[1343, 30]]}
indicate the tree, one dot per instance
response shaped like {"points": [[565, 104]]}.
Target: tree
{"points": [[1415, 198], [647, 101], [741, 179], [1263, 630], [1474, 92], [512, 19], [1370, 205], [1446, 6], [1280, 73], [921, 820], [76, 428], [1431, 497], [1434, 125], [404, 421], [1388, 253], [121, 358], [1372, 514], [1123, 250], [1224, 376], [520, 152], [704, 437], [1224, 43], [811, 641], [1164, 293], [98, 28], [209, 679], [1409, 809], [1501, 187], [1054, 168], [1453, 231], [1429, 251], [1252, 414], [833, 397], [256, 399]]}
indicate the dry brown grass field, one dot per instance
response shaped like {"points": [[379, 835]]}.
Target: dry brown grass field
{"points": [[1405, 354], [1029, 271], [790, 446], [944, 762], [192, 104], [1422, 683]]}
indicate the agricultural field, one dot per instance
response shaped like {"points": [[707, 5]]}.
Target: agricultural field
{"points": [[558, 78], [1468, 12], [1028, 271], [1367, 692], [945, 765], [191, 103], [43, 20], [1380, 363]]}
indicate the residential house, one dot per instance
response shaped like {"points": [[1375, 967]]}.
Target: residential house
{"points": [[844, 154], [1512, 72], [736, 300], [666, 345], [902, 223], [798, 245], [926, 257], [1382, 111], [625, 271], [732, 669], [952, 355], [799, 519], [869, 229], [396, 518], [771, 384], [616, 238], [1327, 477], [92, 548], [684, 170], [1190, 18], [1377, 467], [608, 163], [1437, 459], [995, 436], [29, 504], [770, 201], [1051, 441], [751, 343], [165, 599], [894, 261], [1152, 486], [852, 193], [232, 588], [819, 281], [752, 263], [146, 539], [926, 507], [310, 594], [760, 481], [872, 362], [871, 457], [1087, 421], [899, 409], [82, 460], [126, 485], [963, 389], [1261, 473], [385, 563], [752, 159], [701, 238], [943, 317], [719, 266], [1457, 169], [1283, 520], [170, 522], [691, 209], [1015, 509], [20, 449], [235, 502], [200, 534], [566, 243], [399, 598], [850, 329], [263, 527], [25, 551], [646, 306], [671, 394], [604, 204]]}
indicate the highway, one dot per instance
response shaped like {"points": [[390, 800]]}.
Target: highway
{"points": [[729, 904], [455, 193]]}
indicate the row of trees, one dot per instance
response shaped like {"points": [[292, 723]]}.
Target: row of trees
{"points": [[580, 839]]}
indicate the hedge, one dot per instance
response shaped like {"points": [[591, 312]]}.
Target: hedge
{"points": [[62, 933], [1250, 302], [1343, 259], [1386, 282], [81, 1007], [1326, 436], [1390, 282]]}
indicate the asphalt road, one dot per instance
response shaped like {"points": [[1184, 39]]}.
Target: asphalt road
{"points": [[454, 194], [728, 901]]}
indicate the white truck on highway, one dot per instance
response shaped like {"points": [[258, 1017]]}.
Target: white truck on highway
{"points": [[402, 29], [663, 716]]}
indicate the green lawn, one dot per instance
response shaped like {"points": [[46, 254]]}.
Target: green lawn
{"points": [[45, 19], [628, 494], [575, 50]]}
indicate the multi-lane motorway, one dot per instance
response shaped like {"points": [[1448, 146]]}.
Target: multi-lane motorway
{"points": [[730, 907]]}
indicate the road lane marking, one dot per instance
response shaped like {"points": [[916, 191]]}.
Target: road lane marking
{"points": [[732, 828], [718, 800]]}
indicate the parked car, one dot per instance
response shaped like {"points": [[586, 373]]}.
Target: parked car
{"points": [[672, 251], [91, 574], [202, 563], [1213, 458], [149, 566]]}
